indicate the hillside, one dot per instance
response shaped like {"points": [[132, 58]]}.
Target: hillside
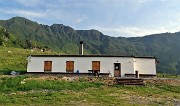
{"points": [[61, 38], [15, 59]]}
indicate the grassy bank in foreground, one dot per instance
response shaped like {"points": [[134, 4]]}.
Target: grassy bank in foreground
{"points": [[51, 90]]}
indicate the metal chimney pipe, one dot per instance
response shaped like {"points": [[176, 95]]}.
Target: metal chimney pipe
{"points": [[81, 48]]}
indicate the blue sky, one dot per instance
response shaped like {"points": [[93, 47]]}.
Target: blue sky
{"points": [[127, 18]]}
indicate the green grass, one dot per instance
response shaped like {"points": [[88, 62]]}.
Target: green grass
{"points": [[13, 84], [160, 75], [41, 90]]}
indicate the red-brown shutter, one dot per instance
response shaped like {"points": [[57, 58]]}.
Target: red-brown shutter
{"points": [[96, 65], [47, 65], [70, 66]]}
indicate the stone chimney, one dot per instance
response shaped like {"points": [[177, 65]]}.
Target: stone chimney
{"points": [[81, 48]]}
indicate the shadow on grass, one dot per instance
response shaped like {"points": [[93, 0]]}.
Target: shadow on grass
{"points": [[8, 71]]}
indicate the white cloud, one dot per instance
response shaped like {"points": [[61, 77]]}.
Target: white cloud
{"points": [[143, 1], [28, 3], [136, 31], [28, 13], [81, 19], [25, 13]]}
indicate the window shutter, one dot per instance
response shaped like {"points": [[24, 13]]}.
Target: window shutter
{"points": [[96, 65], [70, 66], [47, 65]]}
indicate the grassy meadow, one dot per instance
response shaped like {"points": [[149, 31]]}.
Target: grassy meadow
{"points": [[55, 90], [78, 91]]}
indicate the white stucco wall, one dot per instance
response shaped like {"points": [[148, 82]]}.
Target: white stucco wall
{"points": [[83, 64], [145, 65]]}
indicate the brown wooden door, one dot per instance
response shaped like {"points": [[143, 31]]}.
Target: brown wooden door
{"points": [[117, 70], [47, 65], [96, 65]]}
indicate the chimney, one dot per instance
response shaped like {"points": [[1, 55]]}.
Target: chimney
{"points": [[81, 48]]}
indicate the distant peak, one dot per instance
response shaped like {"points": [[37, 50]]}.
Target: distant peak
{"points": [[94, 30], [59, 24], [19, 18], [91, 30]]}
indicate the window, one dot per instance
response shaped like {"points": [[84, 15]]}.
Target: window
{"points": [[96, 65], [117, 66], [47, 65], [69, 66]]}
